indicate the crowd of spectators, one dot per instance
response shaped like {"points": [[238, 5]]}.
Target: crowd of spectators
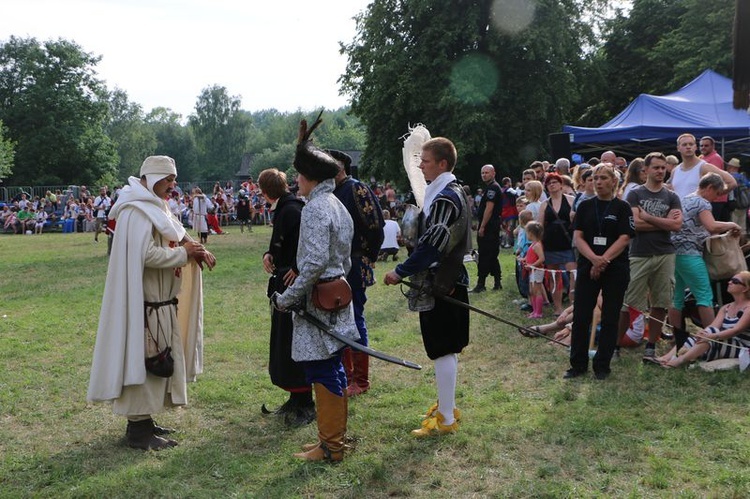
{"points": [[77, 210], [664, 286], [536, 216]]}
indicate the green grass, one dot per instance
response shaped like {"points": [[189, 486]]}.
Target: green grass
{"points": [[645, 432]]}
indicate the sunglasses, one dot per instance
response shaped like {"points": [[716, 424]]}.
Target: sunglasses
{"points": [[736, 281]]}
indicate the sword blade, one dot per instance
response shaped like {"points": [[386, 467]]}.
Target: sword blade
{"points": [[348, 341], [461, 304]]}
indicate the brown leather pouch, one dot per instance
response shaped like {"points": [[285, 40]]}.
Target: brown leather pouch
{"points": [[332, 295]]}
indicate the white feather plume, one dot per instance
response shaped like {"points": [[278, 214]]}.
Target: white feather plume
{"points": [[412, 153]]}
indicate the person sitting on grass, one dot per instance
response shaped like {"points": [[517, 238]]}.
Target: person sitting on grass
{"points": [[561, 322], [727, 335]]}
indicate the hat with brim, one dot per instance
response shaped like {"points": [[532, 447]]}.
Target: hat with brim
{"points": [[311, 161], [734, 162]]}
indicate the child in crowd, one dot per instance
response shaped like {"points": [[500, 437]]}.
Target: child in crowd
{"points": [[41, 218], [534, 262], [521, 247]]}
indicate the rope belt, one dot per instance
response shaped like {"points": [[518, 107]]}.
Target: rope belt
{"points": [[159, 304]]}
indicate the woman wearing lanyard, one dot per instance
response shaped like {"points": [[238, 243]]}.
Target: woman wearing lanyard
{"points": [[602, 230]]}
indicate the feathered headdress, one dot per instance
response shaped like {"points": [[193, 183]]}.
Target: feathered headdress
{"points": [[412, 153], [309, 160]]}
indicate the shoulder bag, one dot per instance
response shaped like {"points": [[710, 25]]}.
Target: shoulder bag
{"points": [[723, 256]]}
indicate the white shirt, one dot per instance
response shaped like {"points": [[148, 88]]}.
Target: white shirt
{"points": [[102, 204], [391, 232], [686, 182]]}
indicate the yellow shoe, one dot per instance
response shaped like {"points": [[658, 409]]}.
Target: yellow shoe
{"points": [[434, 427], [432, 412]]}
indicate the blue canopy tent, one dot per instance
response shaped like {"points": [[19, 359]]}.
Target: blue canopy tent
{"points": [[653, 123]]}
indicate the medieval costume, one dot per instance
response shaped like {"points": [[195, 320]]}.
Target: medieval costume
{"points": [[285, 372], [201, 206], [323, 254], [148, 276], [436, 264], [367, 216]]}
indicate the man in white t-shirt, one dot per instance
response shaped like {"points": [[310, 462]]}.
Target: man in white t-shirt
{"points": [[391, 239], [102, 204]]}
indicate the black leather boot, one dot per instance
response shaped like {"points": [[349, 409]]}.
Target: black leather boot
{"points": [[140, 435]]}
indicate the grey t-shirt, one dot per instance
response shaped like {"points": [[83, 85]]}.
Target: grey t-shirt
{"points": [[689, 240], [658, 204]]}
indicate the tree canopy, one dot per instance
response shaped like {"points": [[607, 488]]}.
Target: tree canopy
{"points": [[655, 48], [7, 152], [495, 76], [55, 109]]}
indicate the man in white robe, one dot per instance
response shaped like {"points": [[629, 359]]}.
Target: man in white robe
{"points": [[153, 268]]}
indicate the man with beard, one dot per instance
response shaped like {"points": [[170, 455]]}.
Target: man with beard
{"points": [[147, 348]]}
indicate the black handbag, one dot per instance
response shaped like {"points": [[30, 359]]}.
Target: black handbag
{"points": [[161, 364]]}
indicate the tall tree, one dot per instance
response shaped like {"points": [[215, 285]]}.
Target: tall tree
{"points": [[656, 47], [221, 132], [176, 141], [55, 109], [7, 153], [133, 138], [495, 77]]}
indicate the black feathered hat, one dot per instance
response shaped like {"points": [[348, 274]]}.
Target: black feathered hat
{"points": [[310, 161], [344, 158]]}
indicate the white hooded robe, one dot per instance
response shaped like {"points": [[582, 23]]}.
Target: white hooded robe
{"points": [[143, 267]]}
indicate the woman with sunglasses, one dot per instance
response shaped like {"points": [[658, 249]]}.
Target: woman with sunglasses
{"points": [[727, 335]]}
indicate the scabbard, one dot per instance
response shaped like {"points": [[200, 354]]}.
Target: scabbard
{"points": [[349, 342]]}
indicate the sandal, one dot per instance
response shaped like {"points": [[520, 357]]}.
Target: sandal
{"points": [[525, 331], [652, 360]]}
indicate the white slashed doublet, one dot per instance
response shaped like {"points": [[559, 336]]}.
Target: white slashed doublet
{"points": [[142, 267]]}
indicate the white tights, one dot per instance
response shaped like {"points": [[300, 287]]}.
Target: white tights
{"points": [[446, 371]]}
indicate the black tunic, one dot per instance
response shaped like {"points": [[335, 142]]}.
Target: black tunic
{"points": [[285, 373]]}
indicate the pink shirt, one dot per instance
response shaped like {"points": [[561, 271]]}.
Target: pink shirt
{"points": [[715, 159]]}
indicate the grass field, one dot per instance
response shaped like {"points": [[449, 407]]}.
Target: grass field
{"points": [[644, 432]]}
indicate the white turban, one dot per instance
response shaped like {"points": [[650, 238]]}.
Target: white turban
{"points": [[156, 168]]}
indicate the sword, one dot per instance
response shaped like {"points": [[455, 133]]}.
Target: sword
{"points": [[461, 304], [301, 312]]}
